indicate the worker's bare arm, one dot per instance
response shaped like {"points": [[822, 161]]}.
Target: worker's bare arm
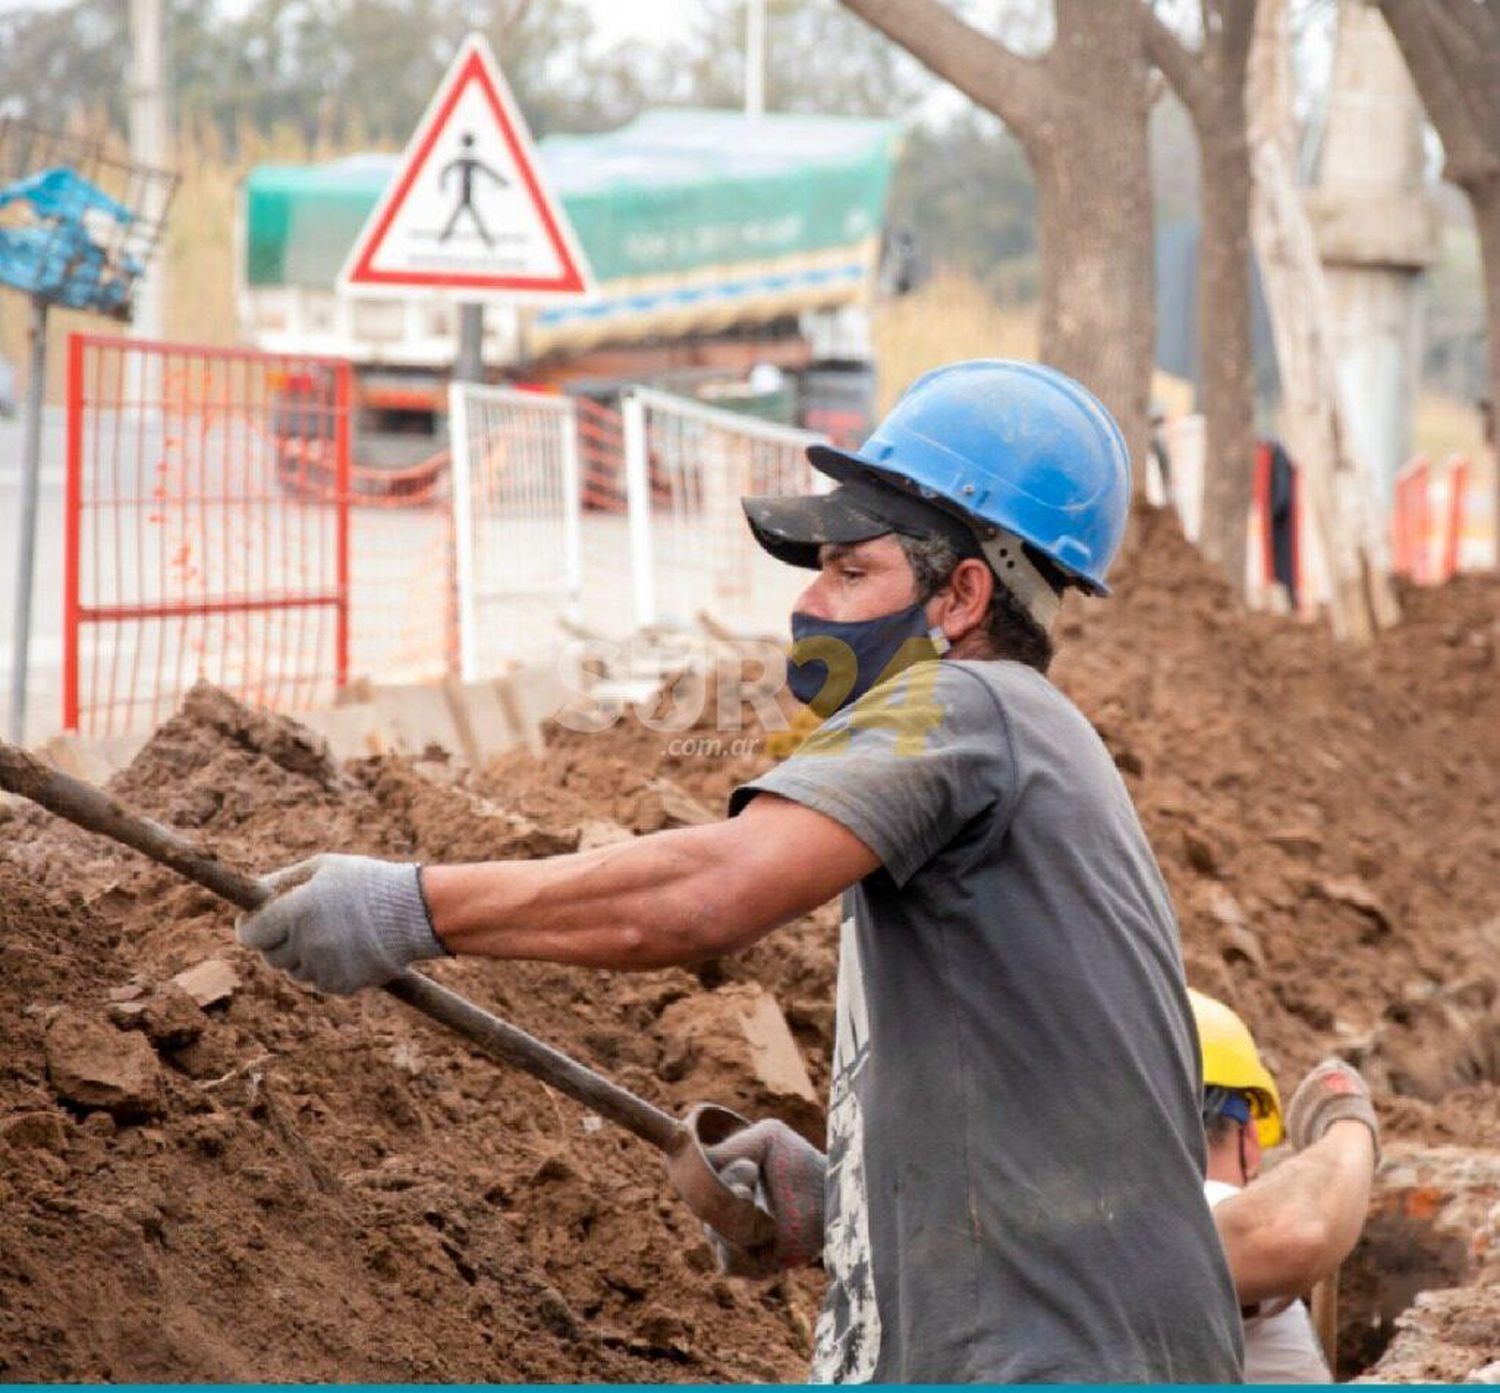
{"points": [[1298, 1222], [673, 897]]}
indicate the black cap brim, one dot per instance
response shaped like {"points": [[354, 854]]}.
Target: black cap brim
{"points": [[793, 527], [839, 464]]}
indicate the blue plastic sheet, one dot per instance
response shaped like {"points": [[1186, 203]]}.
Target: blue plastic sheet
{"points": [[58, 256]]}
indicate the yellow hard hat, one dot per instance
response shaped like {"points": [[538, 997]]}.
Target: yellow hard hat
{"points": [[1230, 1060]]}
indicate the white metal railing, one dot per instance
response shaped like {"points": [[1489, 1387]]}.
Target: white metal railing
{"points": [[517, 546], [687, 465]]}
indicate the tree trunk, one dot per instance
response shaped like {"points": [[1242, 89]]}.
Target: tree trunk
{"points": [[1095, 237], [1337, 499], [1079, 112], [1224, 345], [1094, 215], [1484, 197], [1211, 85]]}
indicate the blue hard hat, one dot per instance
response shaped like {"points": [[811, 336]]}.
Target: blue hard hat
{"points": [[1018, 445]]}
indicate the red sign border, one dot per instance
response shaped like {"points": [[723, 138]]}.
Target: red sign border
{"points": [[570, 281]]}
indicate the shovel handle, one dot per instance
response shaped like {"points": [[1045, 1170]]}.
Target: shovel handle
{"points": [[1325, 1318], [738, 1219], [91, 808]]}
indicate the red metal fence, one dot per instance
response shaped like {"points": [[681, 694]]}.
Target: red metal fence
{"points": [[190, 551]]}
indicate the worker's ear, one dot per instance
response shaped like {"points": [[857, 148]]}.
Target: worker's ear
{"points": [[1250, 1149], [963, 604]]}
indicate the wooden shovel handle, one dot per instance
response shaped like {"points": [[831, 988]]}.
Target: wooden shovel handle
{"points": [[1325, 1318], [740, 1220]]}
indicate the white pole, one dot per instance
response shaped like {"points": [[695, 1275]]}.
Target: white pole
{"points": [[1375, 228], [463, 531], [148, 144], [638, 502], [31, 473], [572, 518], [755, 57]]}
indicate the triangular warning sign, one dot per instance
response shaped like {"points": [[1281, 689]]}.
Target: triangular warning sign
{"points": [[467, 212]]}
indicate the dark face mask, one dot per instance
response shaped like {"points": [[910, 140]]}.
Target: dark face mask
{"points": [[832, 664]]}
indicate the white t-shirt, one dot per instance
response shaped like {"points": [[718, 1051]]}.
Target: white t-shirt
{"points": [[1282, 1347]]}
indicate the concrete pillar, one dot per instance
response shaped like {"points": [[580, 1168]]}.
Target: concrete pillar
{"points": [[1376, 228], [148, 145]]}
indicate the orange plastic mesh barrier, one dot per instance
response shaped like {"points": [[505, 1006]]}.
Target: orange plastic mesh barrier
{"points": [[601, 452], [403, 602]]}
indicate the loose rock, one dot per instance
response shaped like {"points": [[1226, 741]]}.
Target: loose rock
{"points": [[93, 1065], [209, 983], [172, 1018]]}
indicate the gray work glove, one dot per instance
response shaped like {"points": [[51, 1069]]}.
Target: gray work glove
{"points": [[339, 923], [770, 1162], [1333, 1092]]}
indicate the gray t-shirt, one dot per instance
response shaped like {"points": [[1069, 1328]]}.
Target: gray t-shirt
{"points": [[1015, 1177]]}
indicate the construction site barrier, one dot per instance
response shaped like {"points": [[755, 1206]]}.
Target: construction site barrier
{"points": [[601, 448], [686, 468], [403, 618], [1433, 518], [516, 511], [402, 598], [186, 553], [218, 526]]}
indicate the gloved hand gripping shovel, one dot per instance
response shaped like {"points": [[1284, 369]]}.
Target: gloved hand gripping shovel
{"points": [[741, 1221]]}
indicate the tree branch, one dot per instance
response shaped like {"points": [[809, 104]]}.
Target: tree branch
{"points": [[1183, 69], [1472, 48], [1016, 89], [1465, 146], [1232, 43], [1475, 20], [513, 19]]}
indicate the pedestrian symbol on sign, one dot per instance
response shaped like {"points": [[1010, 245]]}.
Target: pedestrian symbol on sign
{"points": [[467, 166]]}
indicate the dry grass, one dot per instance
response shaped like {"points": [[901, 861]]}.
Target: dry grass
{"points": [[950, 316], [199, 249], [1445, 426]]}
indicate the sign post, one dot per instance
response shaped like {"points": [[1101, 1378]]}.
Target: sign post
{"points": [[468, 215], [31, 475], [80, 229], [470, 364]]}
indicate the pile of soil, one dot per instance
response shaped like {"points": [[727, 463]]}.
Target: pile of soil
{"points": [[1328, 817], [251, 1182], [328, 1189]]}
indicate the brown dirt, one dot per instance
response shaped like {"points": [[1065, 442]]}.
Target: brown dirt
{"points": [[332, 1190]]}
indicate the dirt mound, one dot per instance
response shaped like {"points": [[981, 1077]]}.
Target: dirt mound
{"points": [[328, 1189], [321, 1189], [672, 761], [1328, 818]]}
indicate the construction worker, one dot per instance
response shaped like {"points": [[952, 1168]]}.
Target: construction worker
{"points": [[1013, 1185], [1286, 1232]]}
